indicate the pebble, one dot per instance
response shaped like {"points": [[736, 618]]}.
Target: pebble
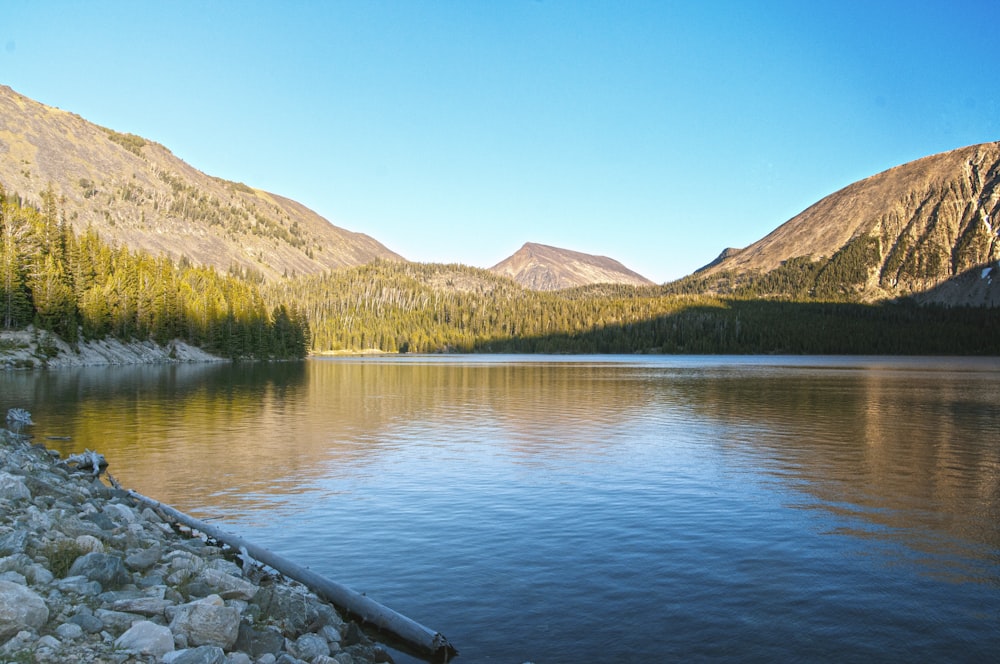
{"points": [[87, 575]]}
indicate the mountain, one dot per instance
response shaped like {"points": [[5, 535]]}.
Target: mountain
{"points": [[136, 193], [544, 268], [909, 230]]}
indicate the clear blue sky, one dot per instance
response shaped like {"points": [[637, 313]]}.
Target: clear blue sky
{"points": [[657, 133]]}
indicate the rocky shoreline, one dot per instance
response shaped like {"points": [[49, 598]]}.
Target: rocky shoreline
{"points": [[35, 349], [89, 575]]}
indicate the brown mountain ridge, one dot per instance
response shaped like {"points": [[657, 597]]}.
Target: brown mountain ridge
{"points": [[136, 193], [544, 268], [929, 228]]}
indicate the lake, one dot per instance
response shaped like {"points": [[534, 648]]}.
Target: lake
{"points": [[598, 508]]}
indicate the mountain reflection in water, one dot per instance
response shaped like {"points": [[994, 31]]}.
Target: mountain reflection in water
{"points": [[561, 508]]}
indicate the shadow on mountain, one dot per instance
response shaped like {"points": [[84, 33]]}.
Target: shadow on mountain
{"points": [[740, 326], [978, 287]]}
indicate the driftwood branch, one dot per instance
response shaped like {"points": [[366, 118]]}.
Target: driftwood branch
{"points": [[422, 640], [19, 416], [88, 460]]}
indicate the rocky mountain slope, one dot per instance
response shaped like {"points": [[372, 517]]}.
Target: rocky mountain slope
{"points": [[136, 193], [544, 268], [907, 231]]}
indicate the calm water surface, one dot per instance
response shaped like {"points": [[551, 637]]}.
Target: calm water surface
{"points": [[590, 508]]}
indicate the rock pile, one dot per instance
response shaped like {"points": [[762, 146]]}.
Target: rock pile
{"points": [[86, 575]]}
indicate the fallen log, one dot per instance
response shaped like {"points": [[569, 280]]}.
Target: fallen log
{"points": [[422, 640]]}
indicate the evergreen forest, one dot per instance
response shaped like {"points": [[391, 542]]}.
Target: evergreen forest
{"points": [[80, 287], [430, 308], [77, 286]]}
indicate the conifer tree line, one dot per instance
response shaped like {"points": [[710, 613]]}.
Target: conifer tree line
{"points": [[428, 308], [78, 286]]}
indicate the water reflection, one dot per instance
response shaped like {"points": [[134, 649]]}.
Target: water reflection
{"points": [[726, 503], [906, 453], [910, 452]]}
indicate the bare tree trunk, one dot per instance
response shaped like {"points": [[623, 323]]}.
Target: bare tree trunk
{"points": [[422, 640]]}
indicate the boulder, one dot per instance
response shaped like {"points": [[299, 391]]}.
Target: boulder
{"points": [[146, 638], [104, 568], [89, 544], [80, 585], [298, 612], [199, 655], [13, 487], [259, 642], [88, 622], [207, 622], [226, 585], [117, 621], [69, 631], [143, 559], [310, 646], [147, 606], [20, 609]]}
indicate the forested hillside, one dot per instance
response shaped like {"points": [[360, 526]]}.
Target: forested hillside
{"points": [[407, 307], [77, 284]]}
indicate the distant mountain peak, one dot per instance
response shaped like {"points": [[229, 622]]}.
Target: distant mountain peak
{"points": [[543, 267]]}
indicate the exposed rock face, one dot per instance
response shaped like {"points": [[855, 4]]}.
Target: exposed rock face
{"points": [[138, 194], [904, 231], [86, 575], [545, 268]]}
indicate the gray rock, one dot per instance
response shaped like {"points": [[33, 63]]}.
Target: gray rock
{"points": [[17, 563], [48, 641], [285, 658], [199, 655], [118, 621], [69, 631], [226, 585], [353, 635], [150, 579], [12, 487], [259, 642], [310, 646], [106, 569], [80, 585], [330, 633], [143, 559], [101, 520], [120, 513], [13, 542], [20, 609], [21, 642], [89, 544], [146, 638], [73, 527], [147, 606], [298, 612], [14, 577], [87, 622], [38, 575], [151, 516], [207, 622]]}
